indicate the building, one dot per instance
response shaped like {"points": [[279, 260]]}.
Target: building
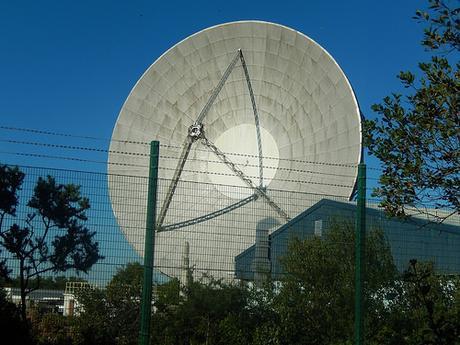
{"points": [[71, 306], [43, 299], [413, 238]]}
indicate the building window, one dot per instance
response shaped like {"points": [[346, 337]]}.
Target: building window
{"points": [[319, 227]]}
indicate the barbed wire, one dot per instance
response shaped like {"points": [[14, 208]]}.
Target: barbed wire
{"points": [[145, 167], [68, 135], [115, 152], [178, 147], [136, 180], [347, 165]]}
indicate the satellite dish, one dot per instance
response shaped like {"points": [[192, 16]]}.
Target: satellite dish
{"points": [[247, 114]]}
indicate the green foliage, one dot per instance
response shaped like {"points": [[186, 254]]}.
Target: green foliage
{"points": [[206, 312], [93, 326], [424, 309], [53, 238], [111, 315], [267, 334], [168, 295], [444, 26], [210, 312], [417, 135], [316, 298], [433, 303], [10, 183], [52, 329], [12, 327], [312, 305], [11, 179]]}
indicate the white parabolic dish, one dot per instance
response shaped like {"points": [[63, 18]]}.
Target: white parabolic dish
{"points": [[309, 119]]}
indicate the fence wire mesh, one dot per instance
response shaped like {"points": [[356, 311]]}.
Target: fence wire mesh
{"points": [[218, 231]]}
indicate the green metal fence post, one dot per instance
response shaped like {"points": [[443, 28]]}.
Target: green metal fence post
{"points": [[360, 240], [146, 307]]}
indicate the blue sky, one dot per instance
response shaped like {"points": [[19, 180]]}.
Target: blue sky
{"points": [[68, 66]]}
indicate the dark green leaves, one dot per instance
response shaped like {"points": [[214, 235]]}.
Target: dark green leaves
{"points": [[58, 203], [10, 183], [54, 238], [417, 136], [444, 26], [315, 300]]}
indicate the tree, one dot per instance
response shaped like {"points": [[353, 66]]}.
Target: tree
{"points": [[52, 237], [316, 298], [206, 312], [49, 283], [12, 326], [313, 304], [52, 329], [417, 137], [424, 309], [111, 315]]}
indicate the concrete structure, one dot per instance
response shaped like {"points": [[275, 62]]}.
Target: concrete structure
{"points": [[408, 239], [261, 263], [71, 305], [186, 278], [252, 99]]}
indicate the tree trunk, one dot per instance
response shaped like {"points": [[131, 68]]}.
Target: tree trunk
{"points": [[207, 330], [23, 290]]}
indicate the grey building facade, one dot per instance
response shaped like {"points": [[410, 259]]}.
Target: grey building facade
{"points": [[412, 238]]}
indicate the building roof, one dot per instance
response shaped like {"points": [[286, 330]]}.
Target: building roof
{"points": [[36, 295]]}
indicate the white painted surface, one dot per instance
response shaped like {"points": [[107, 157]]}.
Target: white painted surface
{"points": [[308, 113]]}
